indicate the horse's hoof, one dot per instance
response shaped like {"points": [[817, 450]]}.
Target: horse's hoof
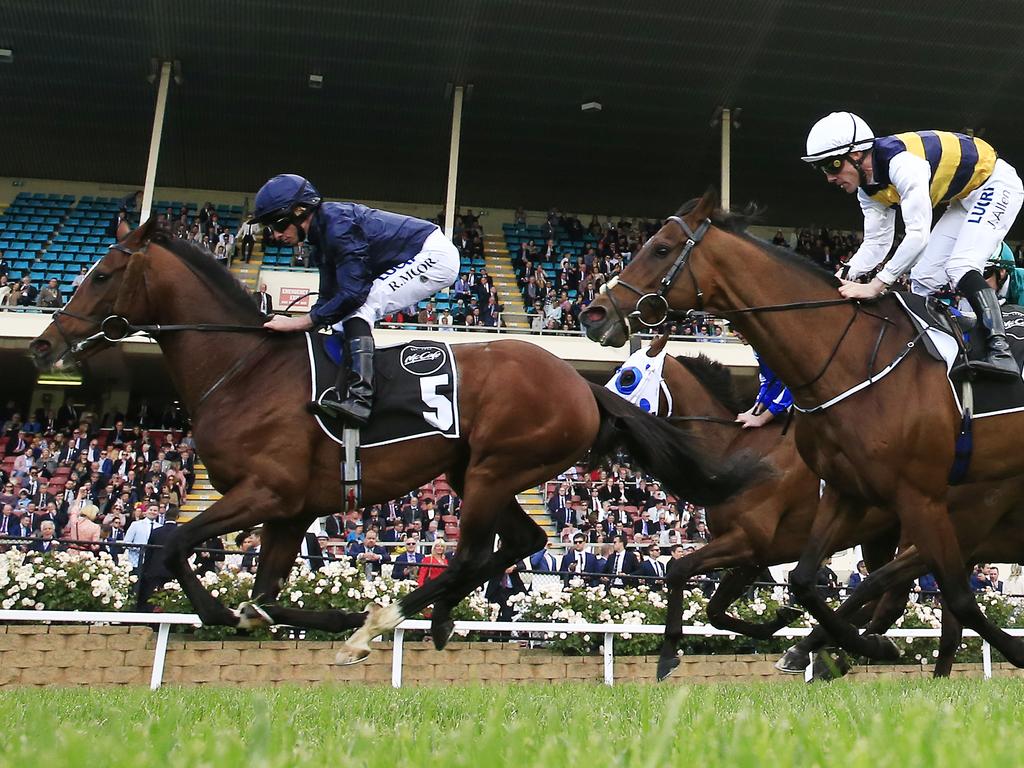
{"points": [[887, 649], [793, 661], [666, 666], [826, 668], [347, 656], [252, 616], [441, 633]]}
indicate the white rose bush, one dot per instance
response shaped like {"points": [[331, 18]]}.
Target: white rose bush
{"points": [[65, 581]]}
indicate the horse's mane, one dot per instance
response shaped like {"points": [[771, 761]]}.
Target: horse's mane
{"points": [[212, 273], [736, 223], [715, 378]]}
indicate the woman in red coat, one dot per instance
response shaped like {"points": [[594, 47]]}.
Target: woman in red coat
{"points": [[437, 559]]}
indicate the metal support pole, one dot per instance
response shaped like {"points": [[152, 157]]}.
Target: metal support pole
{"points": [[609, 659], [453, 163], [159, 656], [726, 149], [396, 659], [986, 659], [154, 142]]}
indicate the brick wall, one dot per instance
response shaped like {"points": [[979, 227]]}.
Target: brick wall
{"points": [[90, 655]]}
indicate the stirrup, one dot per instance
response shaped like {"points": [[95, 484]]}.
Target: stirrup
{"points": [[353, 411], [1002, 366], [328, 405]]}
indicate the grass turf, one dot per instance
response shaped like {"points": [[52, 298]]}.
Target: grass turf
{"points": [[923, 723]]}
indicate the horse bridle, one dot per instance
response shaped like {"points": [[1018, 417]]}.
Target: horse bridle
{"points": [[665, 285], [117, 328], [669, 278]]}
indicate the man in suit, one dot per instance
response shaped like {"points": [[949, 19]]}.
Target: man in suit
{"points": [[153, 573], [310, 549], [263, 300], [118, 435], [501, 588], [67, 415], [47, 541], [18, 442], [621, 562], [544, 561], [139, 532], [369, 555], [42, 498], [334, 526], [652, 567], [206, 562], [993, 579], [578, 561], [559, 503], [407, 562], [395, 532]]}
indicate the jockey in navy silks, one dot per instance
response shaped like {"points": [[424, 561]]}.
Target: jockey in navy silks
{"points": [[371, 263]]}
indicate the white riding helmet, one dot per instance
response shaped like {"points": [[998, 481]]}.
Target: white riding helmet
{"points": [[837, 134]]}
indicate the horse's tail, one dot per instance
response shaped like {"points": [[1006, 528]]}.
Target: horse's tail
{"points": [[669, 454]]}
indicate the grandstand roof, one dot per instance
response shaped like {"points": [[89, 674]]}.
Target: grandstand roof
{"points": [[77, 104]]}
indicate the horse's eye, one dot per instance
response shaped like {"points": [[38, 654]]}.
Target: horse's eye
{"points": [[99, 277], [661, 251]]}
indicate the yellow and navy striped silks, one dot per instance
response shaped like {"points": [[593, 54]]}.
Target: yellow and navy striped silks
{"points": [[960, 164]]}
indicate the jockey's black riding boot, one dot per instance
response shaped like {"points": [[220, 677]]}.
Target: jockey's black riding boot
{"points": [[983, 300], [355, 409], [352, 395]]}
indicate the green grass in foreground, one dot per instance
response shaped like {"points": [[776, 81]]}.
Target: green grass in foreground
{"points": [[926, 723]]}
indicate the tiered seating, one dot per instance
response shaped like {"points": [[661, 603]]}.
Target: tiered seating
{"points": [[277, 256], [229, 216], [516, 235], [83, 239], [435, 489], [26, 229]]}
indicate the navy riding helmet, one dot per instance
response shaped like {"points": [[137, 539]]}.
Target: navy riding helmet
{"points": [[278, 199]]}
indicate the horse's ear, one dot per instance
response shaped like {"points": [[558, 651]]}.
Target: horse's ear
{"points": [[707, 204], [139, 237], [657, 345]]}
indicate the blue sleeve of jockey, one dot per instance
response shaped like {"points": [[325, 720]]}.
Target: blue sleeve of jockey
{"points": [[782, 400], [342, 292], [773, 394]]}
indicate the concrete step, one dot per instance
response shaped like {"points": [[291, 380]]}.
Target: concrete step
{"points": [[202, 496]]}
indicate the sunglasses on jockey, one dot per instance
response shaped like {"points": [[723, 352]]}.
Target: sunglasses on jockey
{"points": [[830, 166], [281, 221]]}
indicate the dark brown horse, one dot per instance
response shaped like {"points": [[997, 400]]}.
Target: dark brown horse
{"points": [[878, 420], [768, 522], [525, 416]]}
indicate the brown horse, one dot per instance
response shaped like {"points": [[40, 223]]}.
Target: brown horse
{"points": [[878, 421], [768, 523], [525, 416]]}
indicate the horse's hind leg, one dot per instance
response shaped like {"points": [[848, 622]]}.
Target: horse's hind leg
{"points": [[520, 537], [279, 546], [732, 549], [244, 506], [731, 589], [932, 531], [487, 497]]}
